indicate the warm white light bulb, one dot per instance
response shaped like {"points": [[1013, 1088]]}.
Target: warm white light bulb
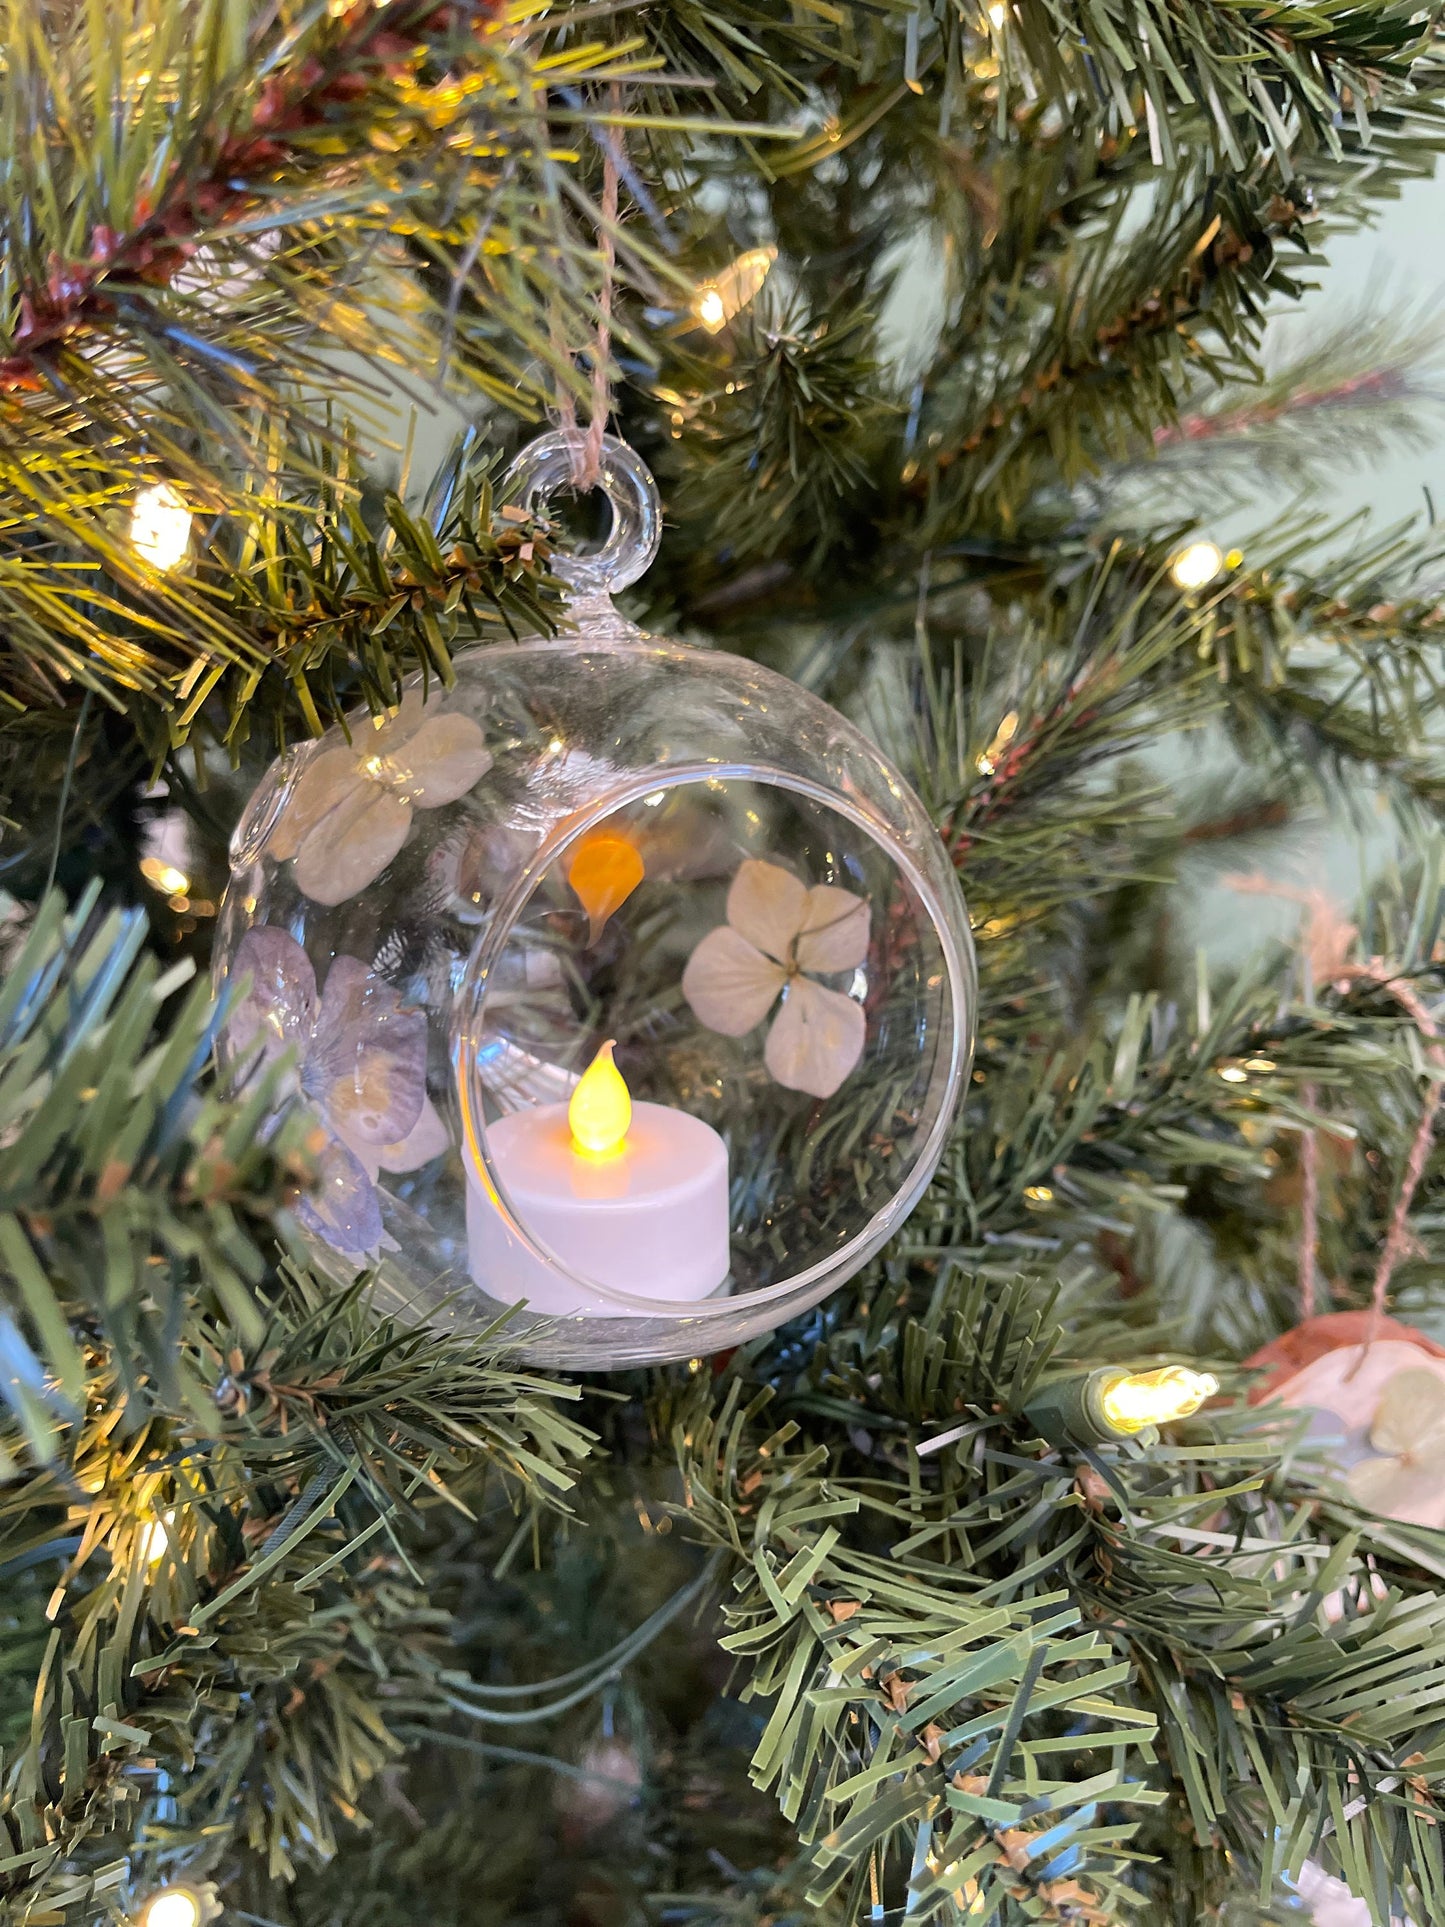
{"points": [[717, 301], [997, 14], [172, 1907], [1196, 566], [160, 526], [1136, 1399], [155, 1542], [170, 881]]}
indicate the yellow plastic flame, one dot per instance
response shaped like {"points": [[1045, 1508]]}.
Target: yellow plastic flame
{"points": [[717, 301], [600, 1110], [605, 869], [1136, 1399]]}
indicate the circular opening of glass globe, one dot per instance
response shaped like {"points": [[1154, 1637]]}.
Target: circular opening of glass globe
{"points": [[743, 953]]}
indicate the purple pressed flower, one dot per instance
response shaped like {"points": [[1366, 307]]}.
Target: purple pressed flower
{"points": [[361, 1064]]}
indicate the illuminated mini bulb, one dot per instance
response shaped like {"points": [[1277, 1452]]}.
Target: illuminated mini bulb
{"points": [[178, 1905], [160, 526], [604, 870], [170, 881], [599, 1196], [155, 1541], [727, 294], [1196, 566], [1130, 1401]]}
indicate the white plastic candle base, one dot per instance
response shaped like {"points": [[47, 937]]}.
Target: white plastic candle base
{"points": [[650, 1219]]}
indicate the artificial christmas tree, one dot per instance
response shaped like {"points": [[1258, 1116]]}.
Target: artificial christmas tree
{"points": [[980, 1589]]}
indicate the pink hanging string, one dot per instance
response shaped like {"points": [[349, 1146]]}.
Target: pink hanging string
{"points": [[1309, 1159], [1326, 942], [589, 463], [1398, 1240]]}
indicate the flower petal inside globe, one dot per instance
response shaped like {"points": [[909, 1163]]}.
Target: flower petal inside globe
{"points": [[730, 983], [351, 846], [441, 762], [816, 1038], [834, 932], [766, 904]]}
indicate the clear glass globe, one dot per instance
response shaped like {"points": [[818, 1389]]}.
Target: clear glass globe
{"points": [[603, 840]]}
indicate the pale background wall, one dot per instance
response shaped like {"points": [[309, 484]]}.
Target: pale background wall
{"points": [[1400, 262]]}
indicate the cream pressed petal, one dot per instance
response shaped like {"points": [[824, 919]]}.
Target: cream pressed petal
{"points": [[352, 845], [730, 984], [833, 934], [766, 904], [815, 1039], [441, 762], [351, 808]]}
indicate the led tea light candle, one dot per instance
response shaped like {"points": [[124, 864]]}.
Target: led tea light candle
{"points": [[632, 1197]]}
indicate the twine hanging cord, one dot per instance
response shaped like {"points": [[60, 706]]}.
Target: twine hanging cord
{"points": [[1398, 1240], [587, 466]]}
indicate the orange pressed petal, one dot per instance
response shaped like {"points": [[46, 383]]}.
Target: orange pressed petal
{"points": [[604, 870]]}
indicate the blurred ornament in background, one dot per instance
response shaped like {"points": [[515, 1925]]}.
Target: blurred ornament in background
{"points": [[606, 1784], [1377, 1391], [720, 299], [1331, 1903], [606, 837]]}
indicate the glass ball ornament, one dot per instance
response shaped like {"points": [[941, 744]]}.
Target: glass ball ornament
{"points": [[628, 983]]}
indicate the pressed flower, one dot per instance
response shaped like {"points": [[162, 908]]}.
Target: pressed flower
{"points": [[1406, 1478], [361, 1066], [780, 936], [351, 808]]}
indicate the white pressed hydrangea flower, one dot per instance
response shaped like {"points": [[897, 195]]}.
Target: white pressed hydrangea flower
{"points": [[1406, 1481], [351, 808], [780, 937]]}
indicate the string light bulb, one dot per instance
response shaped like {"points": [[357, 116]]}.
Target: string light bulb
{"points": [[170, 881], [160, 526], [717, 301], [1111, 1403], [1130, 1401], [177, 1905], [1196, 565], [600, 1110], [155, 1539]]}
